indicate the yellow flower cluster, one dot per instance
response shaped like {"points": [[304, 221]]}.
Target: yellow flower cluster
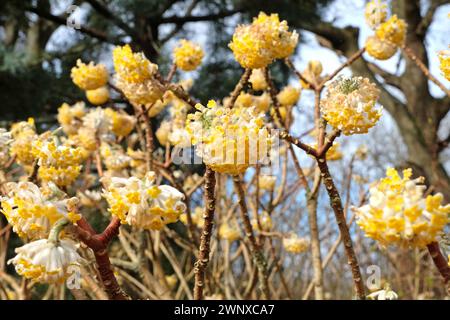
{"points": [[399, 214], [267, 182], [32, 211], [350, 105], [5, 141], [312, 73], [294, 244], [258, 44], [229, 140], [389, 35], [375, 13], [247, 100], [121, 123], [258, 80], [59, 163], [98, 96], [334, 153], [196, 216], [444, 58], [114, 157], [46, 261], [135, 76], [229, 232], [187, 55], [89, 76], [23, 134], [70, 117], [140, 203], [288, 96], [265, 221]]}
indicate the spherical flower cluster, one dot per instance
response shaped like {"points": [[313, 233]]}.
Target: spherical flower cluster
{"points": [[135, 76], [59, 163], [444, 58], [229, 232], [384, 294], [399, 214], [98, 96], [121, 123], [267, 182], [187, 55], [89, 76], [23, 134], [265, 220], [257, 45], [393, 31], [5, 141], [288, 96], [196, 217], [350, 105], [70, 117], [312, 73], [375, 13], [380, 49], [258, 80], [114, 157], [46, 261], [229, 140], [140, 203], [294, 244], [246, 100], [32, 211]]}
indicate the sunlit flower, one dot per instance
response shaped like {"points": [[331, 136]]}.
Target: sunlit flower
{"points": [[46, 261], [5, 141], [70, 117], [257, 45], [350, 105], [393, 31], [228, 140], [229, 232], [23, 134], [380, 49], [398, 213], [114, 157], [98, 96], [32, 212], [140, 203], [171, 280], [247, 100], [142, 93], [375, 13], [288, 96], [187, 55], [89, 76], [444, 58], [162, 134], [121, 123], [384, 294], [312, 73], [258, 80], [267, 182], [196, 217], [294, 244]]}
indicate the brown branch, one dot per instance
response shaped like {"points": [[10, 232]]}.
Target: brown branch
{"points": [[439, 260], [203, 256], [239, 87]]}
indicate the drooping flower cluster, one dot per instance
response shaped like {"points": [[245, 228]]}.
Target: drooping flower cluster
{"points": [[295, 244], [267, 182], [229, 231], [350, 105], [265, 220], [5, 141], [141, 203], [229, 140], [46, 261], [33, 211], [261, 103], [187, 55], [135, 76], [288, 96], [312, 73], [70, 117], [258, 80], [398, 213], [196, 217], [258, 44], [59, 163], [389, 34]]}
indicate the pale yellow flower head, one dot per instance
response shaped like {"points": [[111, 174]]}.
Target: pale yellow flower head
{"points": [[400, 214], [375, 13], [23, 134], [267, 182], [132, 67], [258, 80], [349, 105], [89, 76], [70, 117], [229, 140], [33, 211], [294, 244], [141, 203], [122, 124], [393, 30], [288, 96], [265, 220], [187, 55], [380, 49], [98, 96], [229, 232]]}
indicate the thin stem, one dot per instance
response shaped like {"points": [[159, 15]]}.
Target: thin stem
{"points": [[258, 256], [439, 261], [336, 204], [239, 87], [203, 256]]}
